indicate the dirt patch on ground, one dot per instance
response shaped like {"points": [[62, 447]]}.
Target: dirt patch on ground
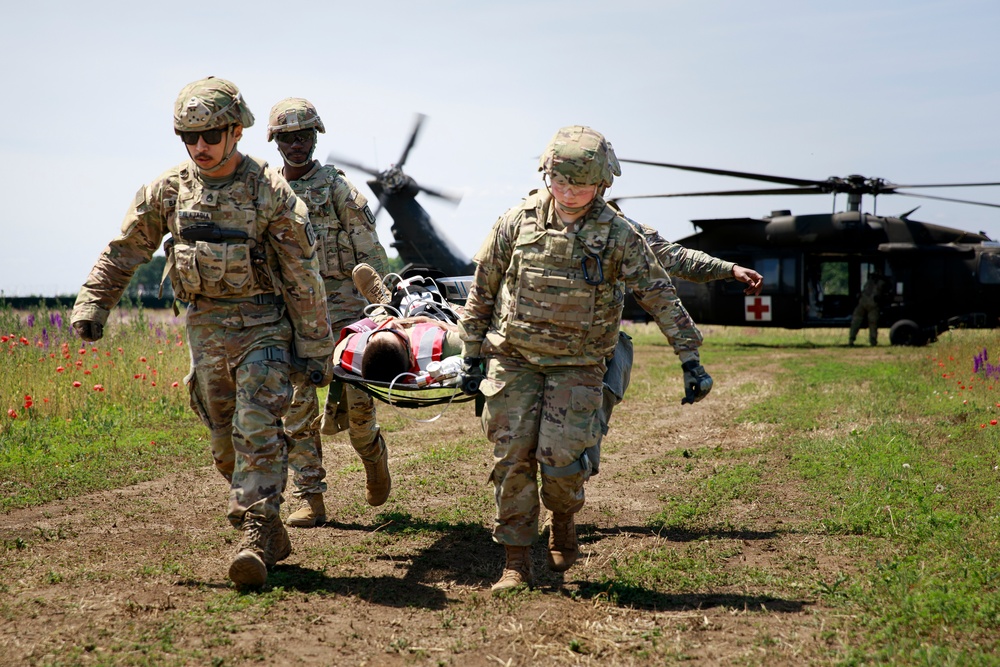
{"points": [[138, 575]]}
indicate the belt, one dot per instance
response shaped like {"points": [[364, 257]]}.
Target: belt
{"points": [[260, 299]]}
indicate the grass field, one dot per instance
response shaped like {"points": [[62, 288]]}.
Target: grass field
{"points": [[824, 505]]}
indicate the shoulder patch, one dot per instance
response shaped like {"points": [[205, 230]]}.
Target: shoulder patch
{"points": [[369, 216]]}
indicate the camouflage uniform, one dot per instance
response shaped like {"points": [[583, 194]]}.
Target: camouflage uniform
{"points": [[346, 236], [868, 308], [252, 301], [685, 263], [544, 308]]}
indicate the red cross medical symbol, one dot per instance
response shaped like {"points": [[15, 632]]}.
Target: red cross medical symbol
{"points": [[758, 308]]}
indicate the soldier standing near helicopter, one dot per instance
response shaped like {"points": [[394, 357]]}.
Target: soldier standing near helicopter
{"points": [[243, 257], [346, 236], [543, 314], [868, 308]]}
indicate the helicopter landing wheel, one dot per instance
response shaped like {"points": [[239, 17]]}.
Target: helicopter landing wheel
{"points": [[907, 332]]}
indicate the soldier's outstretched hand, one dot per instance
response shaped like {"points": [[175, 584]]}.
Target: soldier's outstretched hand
{"points": [[754, 281]]}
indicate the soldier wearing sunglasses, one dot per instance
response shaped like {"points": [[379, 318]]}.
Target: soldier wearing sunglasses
{"points": [[346, 237], [243, 258]]}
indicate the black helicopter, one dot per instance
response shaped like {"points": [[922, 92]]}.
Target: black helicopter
{"points": [[814, 266], [421, 246]]}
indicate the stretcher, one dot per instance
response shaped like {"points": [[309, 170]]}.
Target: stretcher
{"points": [[408, 393]]}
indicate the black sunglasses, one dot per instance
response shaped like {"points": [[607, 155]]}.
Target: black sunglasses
{"points": [[211, 137], [302, 136]]}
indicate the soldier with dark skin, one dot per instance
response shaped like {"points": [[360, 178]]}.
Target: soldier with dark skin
{"points": [[242, 255], [346, 237], [543, 316]]}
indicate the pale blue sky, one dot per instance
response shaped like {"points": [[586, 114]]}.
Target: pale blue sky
{"points": [[905, 90]]}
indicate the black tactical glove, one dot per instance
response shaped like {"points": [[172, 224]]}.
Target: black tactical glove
{"points": [[88, 330], [697, 383], [319, 371], [472, 374]]}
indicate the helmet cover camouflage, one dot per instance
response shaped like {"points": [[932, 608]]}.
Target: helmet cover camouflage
{"points": [[291, 115], [582, 155], [208, 104]]}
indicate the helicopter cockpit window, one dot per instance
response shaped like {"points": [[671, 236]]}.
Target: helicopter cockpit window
{"points": [[989, 268], [788, 274], [770, 269]]}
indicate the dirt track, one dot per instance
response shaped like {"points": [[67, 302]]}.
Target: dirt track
{"points": [[137, 575]]}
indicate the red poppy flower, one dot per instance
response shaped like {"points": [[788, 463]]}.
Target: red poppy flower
{"points": [[142, 359], [12, 414], [98, 387], [77, 384], [176, 384], [993, 422], [59, 369], [82, 351]]}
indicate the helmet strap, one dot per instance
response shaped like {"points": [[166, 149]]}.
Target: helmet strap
{"points": [[230, 153], [566, 209], [292, 163]]}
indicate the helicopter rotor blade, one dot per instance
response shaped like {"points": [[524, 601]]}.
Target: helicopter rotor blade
{"points": [[816, 190], [413, 139], [447, 196], [951, 199], [942, 185], [726, 172], [332, 159]]}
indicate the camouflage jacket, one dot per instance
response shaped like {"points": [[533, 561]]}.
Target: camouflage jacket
{"points": [[345, 235], [234, 283], [676, 260], [555, 297]]}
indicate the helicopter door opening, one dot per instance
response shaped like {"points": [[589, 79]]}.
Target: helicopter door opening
{"points": [[828, 290], [833, 285]]}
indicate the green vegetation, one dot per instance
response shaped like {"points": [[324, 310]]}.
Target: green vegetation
{"points": [[77, 417], [896, 461], [859, 489]]}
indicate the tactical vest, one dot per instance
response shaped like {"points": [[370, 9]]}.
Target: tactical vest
{"points": [[335, 249], [563, 293], [426, 344], [228, 266]]}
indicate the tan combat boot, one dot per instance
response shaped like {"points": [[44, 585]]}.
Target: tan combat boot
{"points": [[370, 284], [311, 512], [378, 483], [563, 548], [264, 543], [516, 571]]}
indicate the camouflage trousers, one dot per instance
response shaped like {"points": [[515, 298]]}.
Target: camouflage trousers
{"points": [[537, 414], [346, 408], [242, 404], [864, 311]]}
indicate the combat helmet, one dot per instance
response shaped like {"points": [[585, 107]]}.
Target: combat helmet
{"points": [[291, 115], [208, 104], [582, 155]]}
